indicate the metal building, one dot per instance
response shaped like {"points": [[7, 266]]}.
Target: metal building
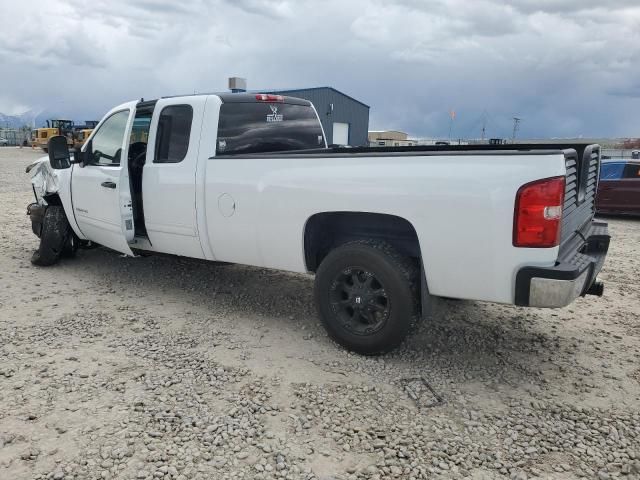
{"points": [[345, 120], [390, 138]]}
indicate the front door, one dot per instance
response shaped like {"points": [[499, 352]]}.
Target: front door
{"points": [[100, 188]]}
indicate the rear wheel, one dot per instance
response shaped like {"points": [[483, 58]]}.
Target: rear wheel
{"points": [[53, 237], [367, 297]]}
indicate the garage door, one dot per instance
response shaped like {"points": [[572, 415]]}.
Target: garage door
{"points": [[340, 133]]}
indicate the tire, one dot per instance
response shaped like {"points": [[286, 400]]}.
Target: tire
{"points": [[367, 296], [71, 245], [54, 235]]}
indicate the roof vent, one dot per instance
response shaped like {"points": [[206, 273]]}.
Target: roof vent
{"points": [[237, 84]]}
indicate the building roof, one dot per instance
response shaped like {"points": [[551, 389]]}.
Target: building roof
{"points": [[388, 131], [288, 90]]}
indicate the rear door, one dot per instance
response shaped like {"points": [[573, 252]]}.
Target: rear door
{"points": [[609, 198], [169, 176], [630, 188], [100, 189]]}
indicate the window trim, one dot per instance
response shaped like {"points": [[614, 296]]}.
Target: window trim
{"points": [[159, 135], [97, 130]]}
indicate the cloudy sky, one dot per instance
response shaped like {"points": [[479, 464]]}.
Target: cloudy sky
{"points": [[567, 67]]}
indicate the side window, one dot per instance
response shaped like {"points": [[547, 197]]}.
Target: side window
{"points": [[632, 170], [107, 141], [611, 171], [174, 130]]}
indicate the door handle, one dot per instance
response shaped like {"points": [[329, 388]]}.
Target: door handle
{"points": [[108, 184]]}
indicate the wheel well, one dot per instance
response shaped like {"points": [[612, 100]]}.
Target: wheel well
{"points": [[325, 231], [53, 199]]}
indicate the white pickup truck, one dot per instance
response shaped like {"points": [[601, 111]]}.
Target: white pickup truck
{"points": [[248, 179]]}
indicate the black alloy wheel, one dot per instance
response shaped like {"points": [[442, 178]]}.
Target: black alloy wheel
{"points": [[360, 301], [367, 296]]}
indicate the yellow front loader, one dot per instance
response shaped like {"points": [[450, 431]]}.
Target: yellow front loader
{"points": [[41, 136]]}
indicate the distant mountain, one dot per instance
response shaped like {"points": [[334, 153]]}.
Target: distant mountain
{"points": [[18, 121]]}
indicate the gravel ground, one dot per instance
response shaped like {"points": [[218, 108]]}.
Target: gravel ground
{"points": [[159, 367]]}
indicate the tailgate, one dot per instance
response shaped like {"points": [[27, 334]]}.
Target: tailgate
{"points": [[580, 193]]}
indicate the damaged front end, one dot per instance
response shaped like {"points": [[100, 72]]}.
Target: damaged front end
{"points": [[45, 184]]}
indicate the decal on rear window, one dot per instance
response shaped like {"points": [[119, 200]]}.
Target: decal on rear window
{"points": [[274, 116]]}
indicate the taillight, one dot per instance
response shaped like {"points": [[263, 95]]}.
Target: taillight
{"points": [[538, 213], [267, 97]]}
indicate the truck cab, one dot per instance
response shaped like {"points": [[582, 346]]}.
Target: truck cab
{"points": [[149, 161]]}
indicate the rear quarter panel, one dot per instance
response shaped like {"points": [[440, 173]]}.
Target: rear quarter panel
{"points": [[461, 207]]}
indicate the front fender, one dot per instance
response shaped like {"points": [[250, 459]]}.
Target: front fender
{"points": [[45, 180], [53, 186]]}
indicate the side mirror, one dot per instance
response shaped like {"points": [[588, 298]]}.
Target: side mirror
{"points": [[59, 157]]}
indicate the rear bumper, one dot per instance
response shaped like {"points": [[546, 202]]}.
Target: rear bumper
{"points": [[573, 275]]}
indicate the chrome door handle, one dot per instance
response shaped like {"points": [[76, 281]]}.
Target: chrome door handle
{"points": [[108, 184]]}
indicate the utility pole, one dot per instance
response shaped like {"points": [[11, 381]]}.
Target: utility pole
{"points": [[452, 117], [516, 127]]}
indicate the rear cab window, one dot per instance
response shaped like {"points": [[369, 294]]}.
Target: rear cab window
{"points": [[263, 127]]}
